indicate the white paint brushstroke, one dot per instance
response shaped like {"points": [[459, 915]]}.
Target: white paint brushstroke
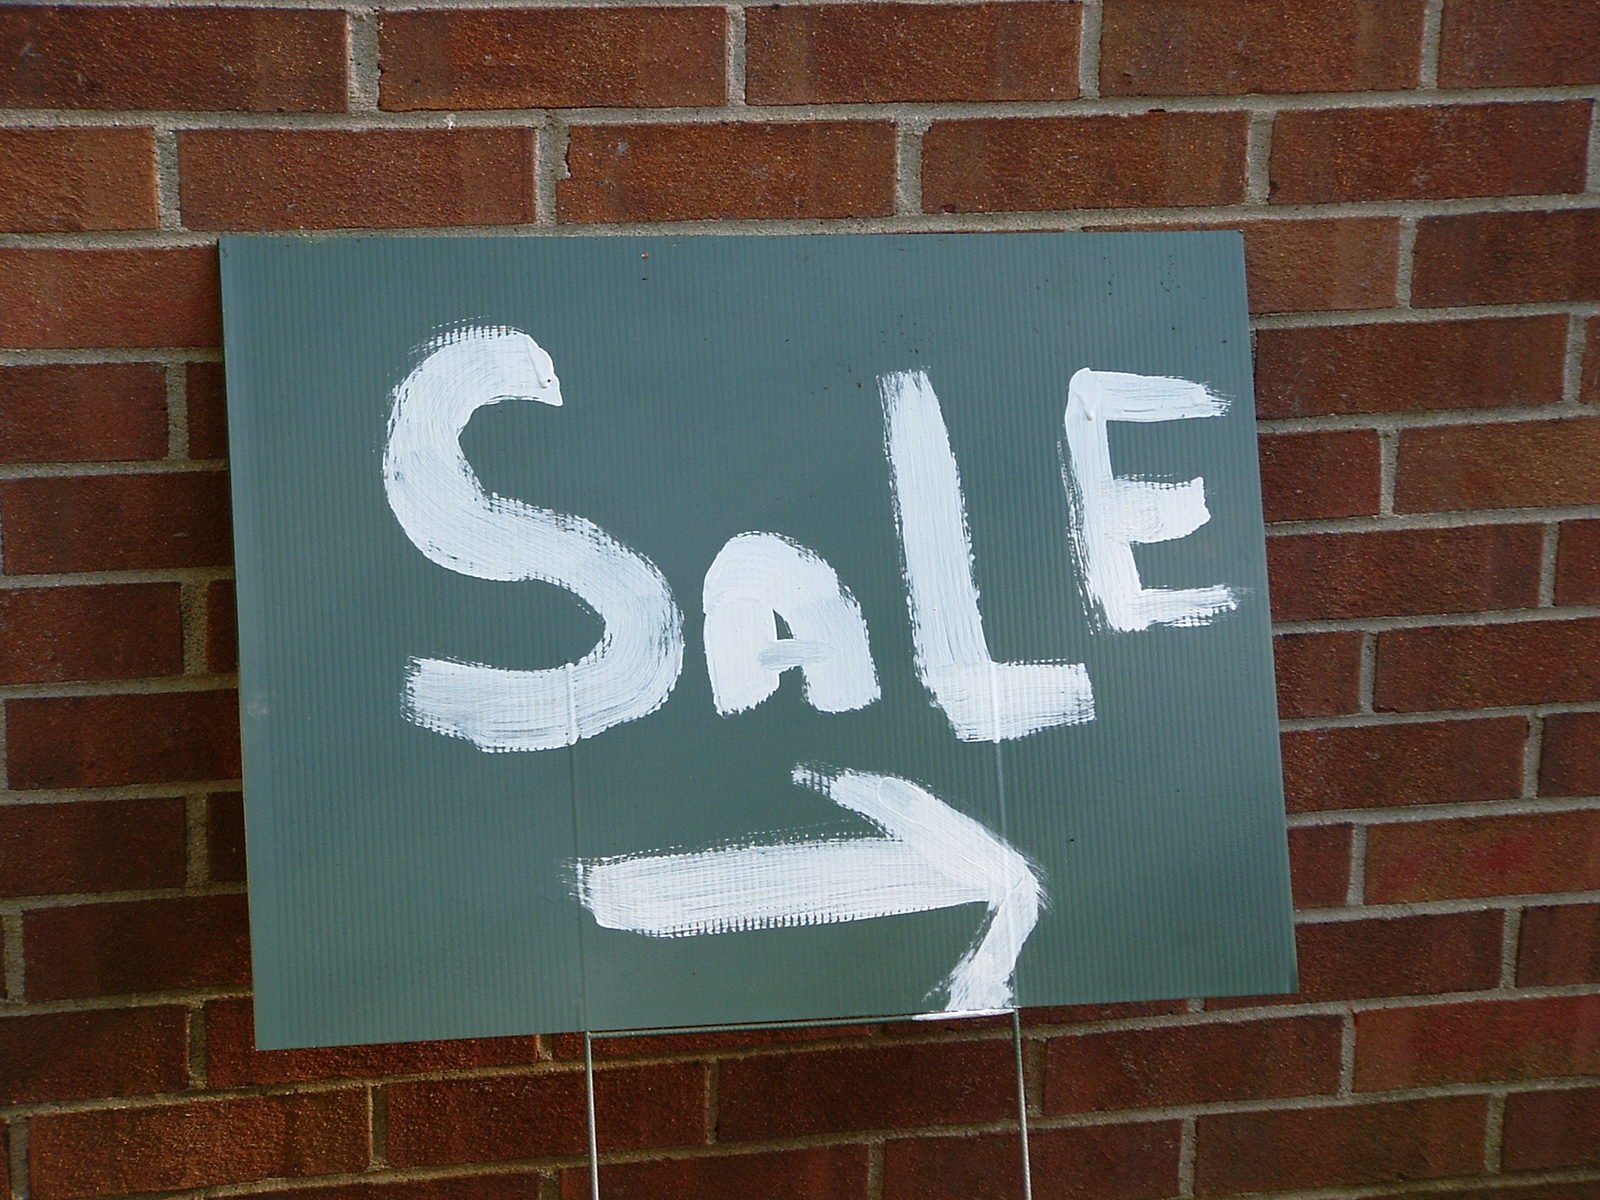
{"points": [[1110, 513], [931, 857], [444, 510], [985, 701], [758, 577]]}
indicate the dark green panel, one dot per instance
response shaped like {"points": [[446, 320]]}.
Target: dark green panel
{"points": [[407, 885]]}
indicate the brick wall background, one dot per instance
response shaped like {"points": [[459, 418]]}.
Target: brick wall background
{"points": [[1419, 186]]}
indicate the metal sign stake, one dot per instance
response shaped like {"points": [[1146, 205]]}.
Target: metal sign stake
{"points": [[1022, 1105], [588, 1108]]}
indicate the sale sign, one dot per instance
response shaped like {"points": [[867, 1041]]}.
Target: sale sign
{"points": [[643, 632]]}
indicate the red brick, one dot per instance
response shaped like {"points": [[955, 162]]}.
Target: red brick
{"points": [[207, 410], [1477, 1042], [1308, 476], [1196, 47], [1488, 666], [72, 298], [1355, 1144], [1192, 1064], [1569, 760], [1391, 956], [1519, 43], [1311, 266], [1548, 1130], [116, 522], [1427, 152], [118, 632], [882, 52], [1101, 1162], [569, 1046], [1525, 464], [1589, 385], [1578, 563], [107, 1052], [1400, 366], [1559, 944], [502, 1185], [829, 1091], [222, 627], [177, 944], [376, 179], [821, 1173], [1319, 865], [252, 59], [200, 1144], [1073, 1014], [67, 180], [225, 837], [533, 1116], [1383, 766], [1483, 856], [633, 57], [1153, 160], [1501, 258], [232, 1059], [1322, 575], [1319, 674], [103, 741], [91, 846], [94, 412], [1513, 1189], [735, 170]]}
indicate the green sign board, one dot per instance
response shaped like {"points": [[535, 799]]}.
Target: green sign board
{"points": [[643, 632]]}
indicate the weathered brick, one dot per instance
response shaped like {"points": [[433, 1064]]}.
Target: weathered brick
{"points": [[1319, 674], [1153, 160], [225, 837], [1399, 366], [1318, 576], [91, 846], [1353, 1144], [1101, 1162], [116, 522], [1426, 152], [232, 1059], [1546, 1131], [123, 631], [630, 57], [1381, 766], [222, 627], [1488, 666], [1569, 760], [531, 1116], [93, 412], [103, 741], [501, 1185], [199, 1144], [1192, 1064], [1477, 1041], [729, 170], [885, 52], [1195, 47], [207, 408], [377, 179], [72, 298], [1505, 257], [1559, 944], [253, 59], [88, 1055], [1483, 856], [819, 1173], [1319, 865], [829, 1091], [1578, 563], [1589, 383], [69, 180], [1519, 43], [1309, 476], [136, 946], [1524, 464]]}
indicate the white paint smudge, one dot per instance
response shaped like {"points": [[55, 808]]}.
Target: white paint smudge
{"points": [[930, 857], [757, 577], [1111, 513], [444, 510], [985, 701]]}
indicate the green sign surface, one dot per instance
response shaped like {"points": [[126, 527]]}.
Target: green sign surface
{"points": [[643, 632]]}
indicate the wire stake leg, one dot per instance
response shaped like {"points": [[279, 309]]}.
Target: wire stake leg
{"points": [[1022, 1106], [588, 1105]]}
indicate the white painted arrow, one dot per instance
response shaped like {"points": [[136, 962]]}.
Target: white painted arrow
{"points": [[931, 857]]}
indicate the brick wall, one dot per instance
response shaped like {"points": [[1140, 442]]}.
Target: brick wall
{"points": [[1419, 186]]}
